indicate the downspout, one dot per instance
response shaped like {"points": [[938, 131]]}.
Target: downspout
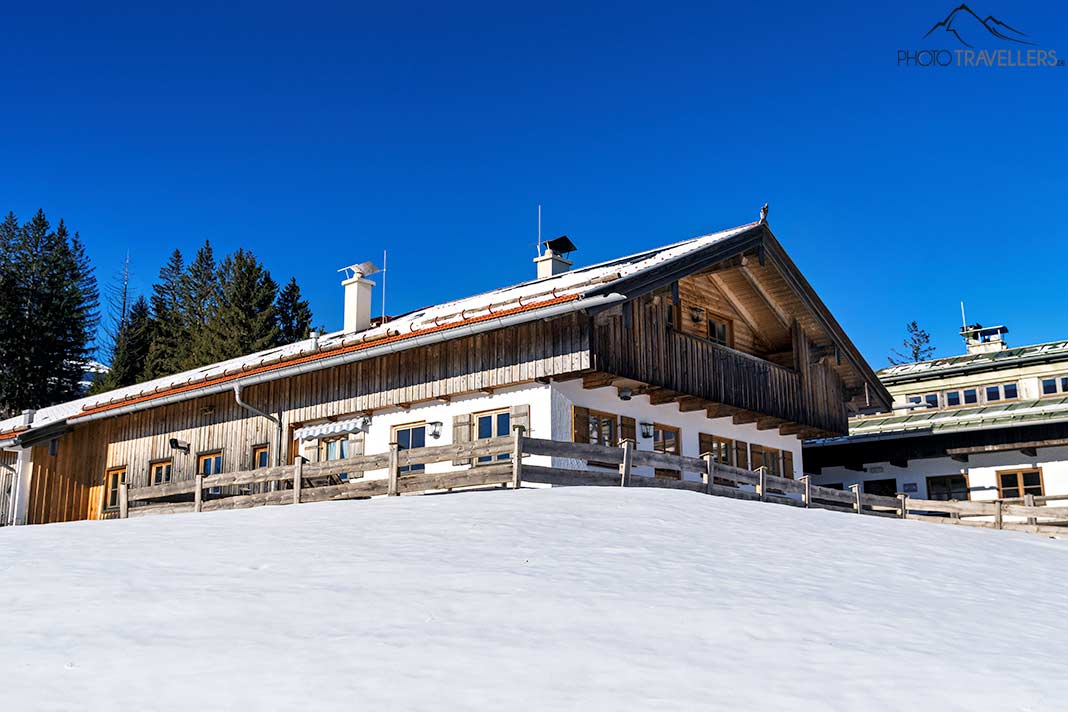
{"points": [[277, 420]]}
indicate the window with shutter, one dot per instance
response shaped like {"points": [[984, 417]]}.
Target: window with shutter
{"points": [[580, 424], [628, 429]]}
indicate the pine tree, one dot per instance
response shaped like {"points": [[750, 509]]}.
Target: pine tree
{"points": [[293, 313], [244, 320], [199, 298], [917, 346], [50, 316], [131, 349], [169, 351], [10, 321]]}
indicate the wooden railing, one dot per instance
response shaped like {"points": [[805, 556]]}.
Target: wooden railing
{"points": [[316, 482], [649, 351]]}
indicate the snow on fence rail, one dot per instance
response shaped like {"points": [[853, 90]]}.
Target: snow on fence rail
{"points": [[499, 462]]}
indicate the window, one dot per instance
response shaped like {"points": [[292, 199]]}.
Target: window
{"points": [[947, 487], [997, 392], [210, 463], [1009, 390], [930, 399], [492, 425], [767, 457], [952, 399], [721, 330], [993, 393], [334, 449], [721, 449], [1016, 483], [410, 437], [666, 440], [1055, 385], [886, 488], [160, 472], [261, 456], [602, 429], [971, 396], [112, 479]]}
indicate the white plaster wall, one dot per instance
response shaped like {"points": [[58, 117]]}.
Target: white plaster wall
{"points": [[981, 471], [691, 424], [380, 432]]}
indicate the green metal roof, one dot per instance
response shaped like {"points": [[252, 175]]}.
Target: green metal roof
{"points": [[985, 416], [1052, 351]]}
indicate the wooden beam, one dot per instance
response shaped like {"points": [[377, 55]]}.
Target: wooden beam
{"points": [[769, 422], [662, 396], [745, 416], [759, 289], [1001, 447], [688, 404], [791, 429], [597, 380], [745, 314], [718, 410]]}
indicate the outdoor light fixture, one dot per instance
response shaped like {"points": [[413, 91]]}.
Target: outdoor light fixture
{"points": [[697, 314], [647, 430], [182, 445], [625, 394], [364, 423], [435, 429]]}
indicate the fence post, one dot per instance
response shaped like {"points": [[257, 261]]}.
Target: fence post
{"points": [[762, 486], [806, 496], [198, 492], [394, 469], [298, 478], [857, 504], [124, 501], [517, 455], [625, 466], [998, 524], [710, 471], [903, 505], [1029, 501]]}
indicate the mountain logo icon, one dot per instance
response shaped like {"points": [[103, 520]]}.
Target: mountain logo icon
{"points": [[964, 24]]}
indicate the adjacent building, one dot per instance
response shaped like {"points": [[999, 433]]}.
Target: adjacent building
{"points": [[714, 344], [989, 424]]}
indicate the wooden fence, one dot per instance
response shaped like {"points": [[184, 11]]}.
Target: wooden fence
{"points": [[498, 462]]}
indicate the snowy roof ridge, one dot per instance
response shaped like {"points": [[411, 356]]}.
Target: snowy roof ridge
{"points": [[530, 295], [993, 358]]}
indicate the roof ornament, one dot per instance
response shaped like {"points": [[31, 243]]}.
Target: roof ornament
{"points": [[764, 213]]}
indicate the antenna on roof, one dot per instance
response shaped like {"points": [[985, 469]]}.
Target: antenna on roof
{"points": [[963, 319], [383, 286], [539, 229]]}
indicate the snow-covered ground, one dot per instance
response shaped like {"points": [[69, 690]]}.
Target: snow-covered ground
{"points": [[591, 599]]}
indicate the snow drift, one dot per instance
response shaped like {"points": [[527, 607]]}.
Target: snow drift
{"points": [[576, 598]]}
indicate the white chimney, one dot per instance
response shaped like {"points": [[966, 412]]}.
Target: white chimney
{"points": [[358, 296], [553, 262]]}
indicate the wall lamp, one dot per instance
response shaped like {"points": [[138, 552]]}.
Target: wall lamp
{"points": [[647, 430], [182, 445], [435, 429], [625, 394]]}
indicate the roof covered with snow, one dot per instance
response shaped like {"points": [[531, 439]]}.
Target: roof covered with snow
{"points": [[526, 298]]}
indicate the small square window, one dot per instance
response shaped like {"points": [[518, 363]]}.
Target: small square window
{"points": [[915, 399], [1010, 390], [931, 399], [1049, 386], [953, 398], [993, 393], [971, 396], [1064, 384]]}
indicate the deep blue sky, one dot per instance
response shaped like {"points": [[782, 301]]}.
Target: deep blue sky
{"points": [[318, 135]]}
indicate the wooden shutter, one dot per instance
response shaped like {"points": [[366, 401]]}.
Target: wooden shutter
{"points": [[706, 443], [519, 415], [461, 433], [628, 429], [787, 464], [741, 455], [356, 443], [580, 424]]}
